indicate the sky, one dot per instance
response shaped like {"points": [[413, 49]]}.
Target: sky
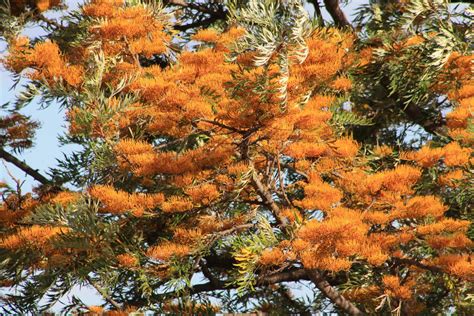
{"points": [[47, 149]]}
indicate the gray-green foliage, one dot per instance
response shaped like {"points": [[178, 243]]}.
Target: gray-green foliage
{"points": [[275, 29]]}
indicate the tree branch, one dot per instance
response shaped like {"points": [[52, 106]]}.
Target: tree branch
{"points": [[194, 6], [200, 23], [317, 11], [421, 117], [415, 263], [41, 17], [104, 294], [23, 166], [336, 298], [267, 197], [340, 19], [292, 275], [216, 13]]}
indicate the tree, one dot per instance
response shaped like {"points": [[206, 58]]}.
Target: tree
{"points": [[264, 150]]}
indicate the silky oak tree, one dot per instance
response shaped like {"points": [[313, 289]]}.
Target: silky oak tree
{"points": [[219, 166]]}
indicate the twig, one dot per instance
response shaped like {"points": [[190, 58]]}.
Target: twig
{"points": [[330, 292], [23, 166], [415, 263], [42, 18], [267, 197], [104, 293]]}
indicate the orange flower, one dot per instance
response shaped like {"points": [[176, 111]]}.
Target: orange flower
{"points": [[176, 204], [272, 257], [460, 265], [167, 250], [206, 35], [455, 155], [119, 202], [342, 83], [34, 236], [426, 156], [394, 289], [456, 240], [126, 260], [95, 310], [444, 225], [319, 195], [203, 194], [451, 178], [421, 206], [346, 147], [383, 151], [65, 198]]}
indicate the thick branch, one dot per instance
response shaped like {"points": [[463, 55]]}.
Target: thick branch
{"points": [[336, 298], [267, 197], [23, 166], [420, 117], [415, 263], [41, 17], [340, 19], [215, 13], [194, 6], [200, 23], [104, 294], [317, 11], [292, 275]]}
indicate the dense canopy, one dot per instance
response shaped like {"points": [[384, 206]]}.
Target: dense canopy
{"points": [[228, 151]]}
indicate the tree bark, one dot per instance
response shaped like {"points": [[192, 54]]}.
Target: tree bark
{"points": [[340, 19], [23, 166], [336, 298]]}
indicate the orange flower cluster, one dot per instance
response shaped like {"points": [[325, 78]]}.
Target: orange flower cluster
{"points": [[127, 260], [203, 194], [17, 131], [200, 130], [451, 178], [35, 236], [272, 257], [167, 250], [15, 207], [387, 185], [65, 197], [119, 202], [46, 60], [319, 195], [123, 28], [458, 119], [144, 161], [420, 206], [330, 244], [454, 155], [393, 288], [362, 294], [444, 225], [460, 265], [457, 240], [177, 204]]}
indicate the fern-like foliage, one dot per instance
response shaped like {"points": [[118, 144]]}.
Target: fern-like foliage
{"points": [[276, 31], [246, 251]]}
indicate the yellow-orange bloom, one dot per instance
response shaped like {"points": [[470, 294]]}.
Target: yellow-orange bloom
{"points": [[127, 260], [34, 236], [394, 289], [455, 155], [167, 250]]}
